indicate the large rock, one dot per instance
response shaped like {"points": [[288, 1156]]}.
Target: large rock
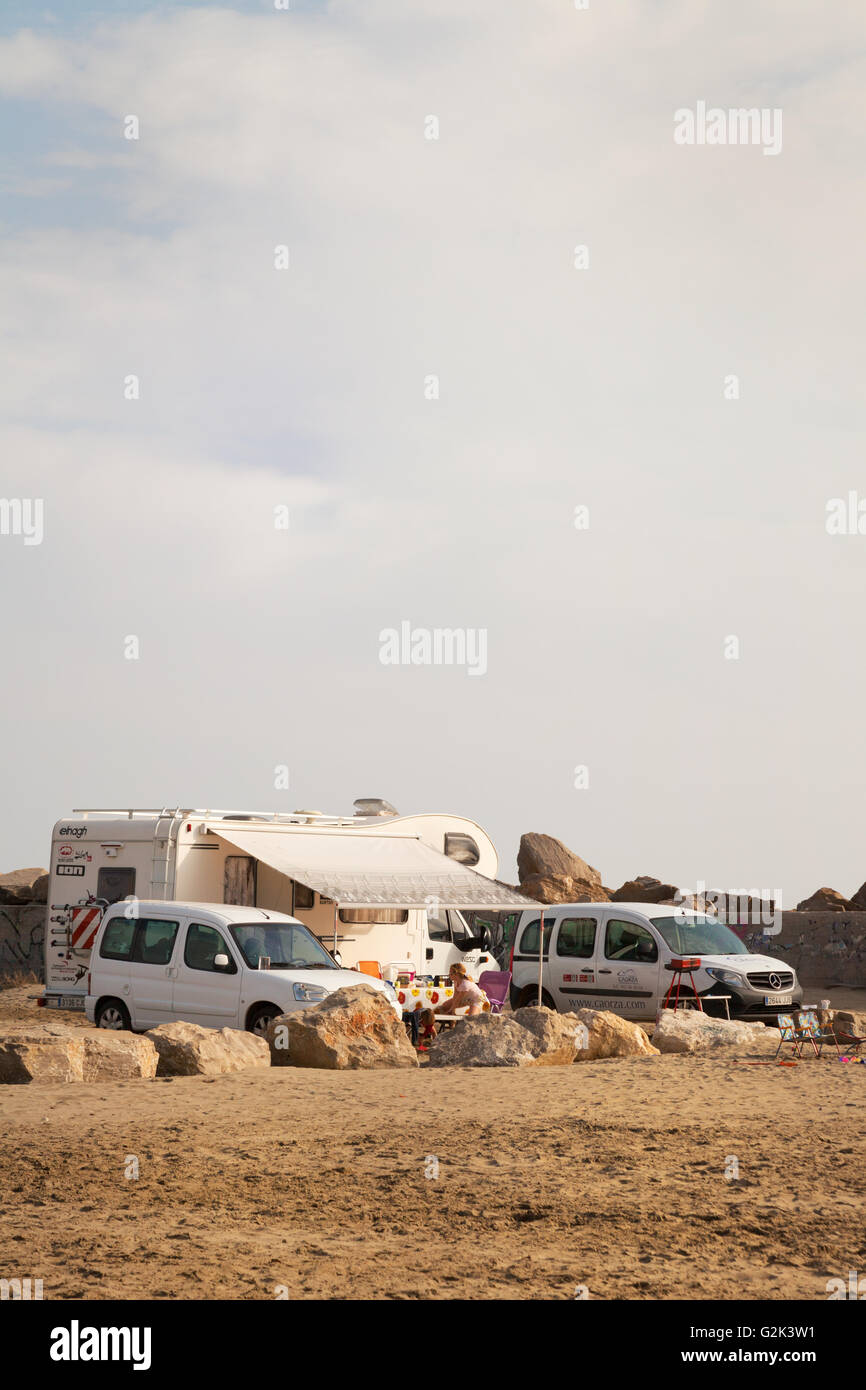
{"points": [[187, 1049], [543, 888], [645, 890], [557, 1039], [41, 1055], [858, 902], [608, 1035], [542, 856], [690, 1030], [355, 1028], [847, 1023], [24, 886], [489, 1040], [825, 900], [110, 1056]]}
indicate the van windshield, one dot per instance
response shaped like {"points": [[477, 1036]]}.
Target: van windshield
{"points": [[699, 936], [289, 945]]}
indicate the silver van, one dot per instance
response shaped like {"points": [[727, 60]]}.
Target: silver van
{"points": [[613, 956]]}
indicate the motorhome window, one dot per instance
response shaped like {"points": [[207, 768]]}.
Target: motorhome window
{"points": [[203, 944], [290, 947], [378, 916], [702, 935], [117, 939], [114, 884], [155, 941], [462, 848], [304, 898], [629, 941], [529, 937], [437, 926], [576, 937]]}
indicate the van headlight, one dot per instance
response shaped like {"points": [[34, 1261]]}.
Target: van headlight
{"points": [[725, 977], [309, 994]]}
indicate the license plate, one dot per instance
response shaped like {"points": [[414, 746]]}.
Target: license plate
{"points": [[778, 999], [71, 1001]]}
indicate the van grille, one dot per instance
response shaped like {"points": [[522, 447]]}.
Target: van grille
{"points": [[771, 979]]}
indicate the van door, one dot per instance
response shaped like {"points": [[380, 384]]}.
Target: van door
{"points": [[151, 973], [524, 962], [572, 961], [628, 965], [203, 993], [439, 953]]}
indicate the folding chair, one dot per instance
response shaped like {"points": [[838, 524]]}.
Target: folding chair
{"points": [[789, 1034], [370, 967], [810, 1030], [495, 984]]}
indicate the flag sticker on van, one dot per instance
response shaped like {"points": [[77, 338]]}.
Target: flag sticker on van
{"points": [[587, 978]]}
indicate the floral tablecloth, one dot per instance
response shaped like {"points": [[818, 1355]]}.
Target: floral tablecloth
{"points": [[413, 997]]}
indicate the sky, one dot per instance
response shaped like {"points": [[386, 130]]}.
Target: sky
{"points": [[426, 394]]}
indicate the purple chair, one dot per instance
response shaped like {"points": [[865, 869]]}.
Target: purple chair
{"points": [[495, 984]]}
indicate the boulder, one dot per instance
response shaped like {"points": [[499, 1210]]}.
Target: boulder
{"points": [[825, 900], [489, 1040], [545, 888], [110, 1056], [645, 890], [187, 1049], [542, 856], [556, 1039], [858, 902], [355, 1028], [847, 1021], [608, 1035], [24, 886], [689, 1030], [41, 1055]]}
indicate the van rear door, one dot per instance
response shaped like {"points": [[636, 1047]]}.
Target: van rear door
{"points": [[151, 971]]}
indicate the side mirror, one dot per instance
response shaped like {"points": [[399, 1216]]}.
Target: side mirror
{"points": [[221, 961]]}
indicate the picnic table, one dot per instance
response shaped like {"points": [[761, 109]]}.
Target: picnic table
{"points": [[413, 998]]}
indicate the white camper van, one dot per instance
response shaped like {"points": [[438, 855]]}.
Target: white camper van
{"points": [[374, 887]]}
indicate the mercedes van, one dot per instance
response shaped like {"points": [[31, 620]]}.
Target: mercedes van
{"points": [[217, 965], [614, 956]]}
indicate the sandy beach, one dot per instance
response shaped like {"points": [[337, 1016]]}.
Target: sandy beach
{"points": [[608, 1175]]}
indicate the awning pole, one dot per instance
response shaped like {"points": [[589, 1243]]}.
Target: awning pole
{"points": [[540, 951]]}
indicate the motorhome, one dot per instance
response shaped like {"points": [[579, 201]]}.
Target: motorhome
{"points": [[375, 888]]}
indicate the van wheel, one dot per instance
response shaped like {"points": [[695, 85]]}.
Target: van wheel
{"points": [[529, 996], [260, 1018], [112, 1014]]}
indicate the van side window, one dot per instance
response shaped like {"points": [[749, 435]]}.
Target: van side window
{"points": [[437, 926], [117, 939], [528, 944], [202, 944], [112, 884], [155, 941], [576, 937], [629, 941]]}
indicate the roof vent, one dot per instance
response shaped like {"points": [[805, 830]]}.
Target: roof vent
{"points": [[374, 806]]}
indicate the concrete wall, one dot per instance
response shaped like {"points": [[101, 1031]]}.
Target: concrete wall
{"points": [[825, 948], [22, 938]]}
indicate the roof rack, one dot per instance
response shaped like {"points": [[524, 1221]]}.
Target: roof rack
{"points": [[215, 813]]}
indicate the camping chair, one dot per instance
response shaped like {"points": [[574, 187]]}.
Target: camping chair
{"points": [[495, 984], [789, 1034], [810, 1030], [370, 967], [850, 1042]]}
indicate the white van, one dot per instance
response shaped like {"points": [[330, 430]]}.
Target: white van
{"points": [[613, 956], [154, 962], [375, 886]]}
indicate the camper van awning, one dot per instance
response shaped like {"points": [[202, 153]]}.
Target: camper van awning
{"points": [[372, 870]]}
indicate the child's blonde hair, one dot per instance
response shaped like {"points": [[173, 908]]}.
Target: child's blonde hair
{"points": [[460, 968]]}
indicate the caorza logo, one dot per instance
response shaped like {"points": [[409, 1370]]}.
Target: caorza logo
{"points": [[77, 1343]]}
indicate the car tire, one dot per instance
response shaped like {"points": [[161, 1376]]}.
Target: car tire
{"points": [[111, 1013], [260, 1018], [529, 996]]}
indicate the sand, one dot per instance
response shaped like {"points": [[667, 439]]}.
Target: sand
{"points": [[607, 1175]]}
